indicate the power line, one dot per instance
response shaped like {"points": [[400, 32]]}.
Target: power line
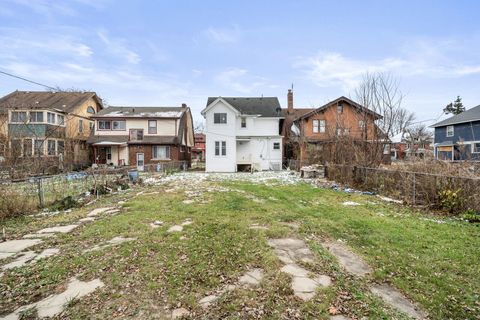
{"points": [[27, 80]]}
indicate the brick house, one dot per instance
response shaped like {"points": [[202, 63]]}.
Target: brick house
{"points": [[48, 126], [318, 132], [138, 136], [198, 150]]}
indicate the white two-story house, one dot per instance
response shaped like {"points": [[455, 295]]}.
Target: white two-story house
{"points": [[138, 136], [243, 134]]}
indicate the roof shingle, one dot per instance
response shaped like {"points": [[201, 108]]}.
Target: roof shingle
{"points": [[472, 114], [262, 106]]}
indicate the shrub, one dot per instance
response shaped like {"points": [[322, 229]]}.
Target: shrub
{"points": [[450, 200], [471, 216], [13, 203]]}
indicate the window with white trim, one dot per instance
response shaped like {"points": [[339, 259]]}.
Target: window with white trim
{"points": [[315, 126], [219, 118], [476, 147], [51, 147], [322, 125], [450, 131], [243, 123], [38, 147], [18, 116], [220, 148], [60, 119], [136, 134], [161, 152], [276, 146], [104, 125], [118, 125], [36, 116], [152, 126], [339, 108], [50, 117]]}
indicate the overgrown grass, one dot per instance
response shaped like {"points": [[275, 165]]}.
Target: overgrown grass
{"points": [[435, 264]]}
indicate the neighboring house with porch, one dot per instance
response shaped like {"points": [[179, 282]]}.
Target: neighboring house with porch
{"points": [[138, 136], [458, 138], [317, 134], [243, 134], [52, 126]]}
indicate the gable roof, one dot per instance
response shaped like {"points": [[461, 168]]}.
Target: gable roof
{"points": [[141, 112], [472, 114], [334, 102], [60, 101], [262, 106]]}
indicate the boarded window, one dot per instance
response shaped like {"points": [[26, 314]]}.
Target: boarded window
{"points": [[219, 118]]}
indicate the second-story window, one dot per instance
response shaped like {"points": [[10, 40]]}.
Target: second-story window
{"points": [[136, 134], [80, 125], [60, 119], [118, 125], [50, 117], [361, 124], [339, 108], [243, 123], [219, 118], [322, 125], [18, 116], [36, 116], [315, 126], [450, 131], [152, 126], [104, 125], [276, 146]]}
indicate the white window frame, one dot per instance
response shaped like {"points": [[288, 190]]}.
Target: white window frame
{"points": [[315, 126], [118, 122], [60, 119], [276, 144], [450, 131], [104, 122], [35, 153], [36, 116], [221, 119], [150, 128], [51, 118], [51, 141], [220, 148], [322, 125], [473, 147], [243, 122], [155, 152], [18, 117]]}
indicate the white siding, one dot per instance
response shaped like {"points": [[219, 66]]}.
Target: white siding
{"points": [[251, 145], [165, 127]]}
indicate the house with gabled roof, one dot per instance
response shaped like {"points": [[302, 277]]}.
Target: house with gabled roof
{"points": [[140, 136], [52, 126], [243, 133], [458, 138], [312, 134]]}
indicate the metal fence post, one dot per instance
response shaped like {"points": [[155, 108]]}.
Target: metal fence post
{"points": [[414, 189], [41, 192]]}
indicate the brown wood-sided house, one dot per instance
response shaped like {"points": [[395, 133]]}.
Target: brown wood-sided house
{"points": [[320, 134], [50, 126], [138, 136]]}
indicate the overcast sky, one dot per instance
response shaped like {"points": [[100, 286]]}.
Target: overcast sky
{"points": [[168, 52]]}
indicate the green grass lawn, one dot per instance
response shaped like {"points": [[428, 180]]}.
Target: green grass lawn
{"points": [[435, 264]]}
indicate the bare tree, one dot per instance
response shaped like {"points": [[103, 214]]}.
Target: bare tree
{"points": [[199, 126], [418, 137]]}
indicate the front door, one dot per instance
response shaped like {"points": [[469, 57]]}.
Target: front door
{"points": [[140, 161]]}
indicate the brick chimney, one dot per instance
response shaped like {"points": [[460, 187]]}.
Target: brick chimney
{"points": [[290, 101]]}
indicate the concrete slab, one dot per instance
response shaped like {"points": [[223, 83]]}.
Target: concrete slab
{"points": [[11, 247], [353, 263], [59, 229], [294, 270], [55, 304], [207, 301], [251, 277], [38, 235], [114, 241], [396, 299], [22, 259], [47, 253], [287, 243], [96, 212], [87, 219]]}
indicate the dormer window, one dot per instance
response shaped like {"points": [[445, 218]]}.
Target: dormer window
{"points": [[219, 118]]}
